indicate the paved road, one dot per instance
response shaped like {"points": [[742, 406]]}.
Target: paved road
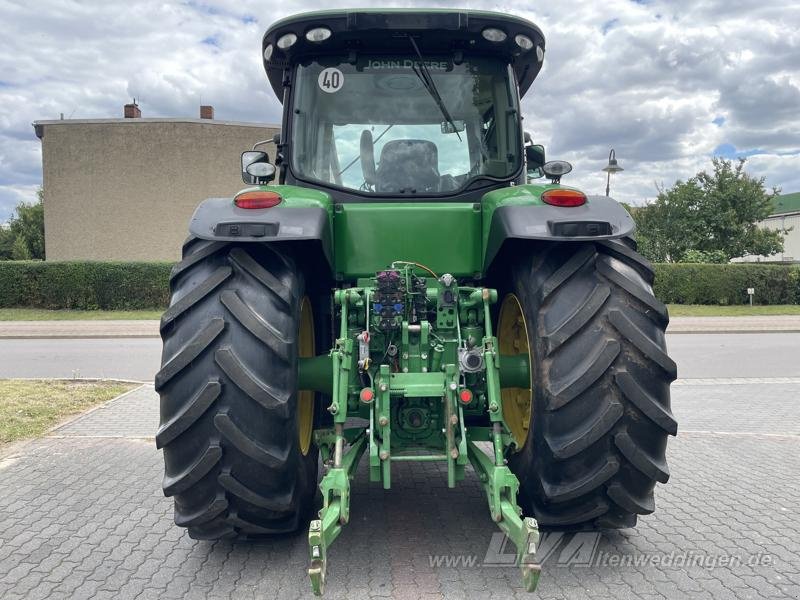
{"points": [[697, 355], [736, 354], [83, 517], [125, 358]]}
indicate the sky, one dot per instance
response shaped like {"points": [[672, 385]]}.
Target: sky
{"points": [[667, 84]]}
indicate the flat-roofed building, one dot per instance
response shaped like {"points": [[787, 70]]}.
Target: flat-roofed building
{"points": [[125, 189], [785, 215]]}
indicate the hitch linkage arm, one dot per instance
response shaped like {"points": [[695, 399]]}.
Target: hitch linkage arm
{"points": [[335, 513], [500, 484], [335, 485], [501, 487]]}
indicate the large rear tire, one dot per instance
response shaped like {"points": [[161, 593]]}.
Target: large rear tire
{"points": [[234, 429], [600, 414]]}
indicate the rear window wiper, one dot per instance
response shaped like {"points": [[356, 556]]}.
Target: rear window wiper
{"points": [[427, 81]]}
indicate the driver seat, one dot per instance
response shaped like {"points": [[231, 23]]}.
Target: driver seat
{"points": [[408, 166]]}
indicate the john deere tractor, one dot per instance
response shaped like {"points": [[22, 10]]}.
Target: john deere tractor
{"points": [[407, 280]]}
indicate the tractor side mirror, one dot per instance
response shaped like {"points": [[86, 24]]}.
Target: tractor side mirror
{"points": [[534, 157], [256, 168], [456, 126]]}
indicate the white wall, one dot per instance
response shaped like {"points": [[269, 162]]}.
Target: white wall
{"points": [[791, 241]]}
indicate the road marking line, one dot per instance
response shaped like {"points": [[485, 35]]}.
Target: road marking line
{"points": [[740, 433], [737, 381], [103, 437]]}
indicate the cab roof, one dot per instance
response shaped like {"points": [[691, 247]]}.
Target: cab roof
{"points": [[386, 31]]}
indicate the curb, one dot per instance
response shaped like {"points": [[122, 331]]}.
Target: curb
{"points": [[137, 382], [693, 331], [107, 336], [88, 411], [13, 450], [146, 336], [138, 330], [80, 329], [155, 337]]}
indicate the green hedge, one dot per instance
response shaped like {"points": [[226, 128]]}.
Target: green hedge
{"points": [[84, 285], [126, 286], [727, 284]]}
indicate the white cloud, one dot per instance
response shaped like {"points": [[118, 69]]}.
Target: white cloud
{"points": [[665, 83]]}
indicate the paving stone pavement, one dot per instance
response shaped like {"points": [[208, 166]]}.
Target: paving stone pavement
{"points": [[82, 516]]}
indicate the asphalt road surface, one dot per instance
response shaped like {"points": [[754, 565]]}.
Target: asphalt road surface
{"points": [[735, 354], [124, 358], [698, 355]]}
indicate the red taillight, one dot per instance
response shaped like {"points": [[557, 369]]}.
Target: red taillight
{"points": [[367, 395], [564, 198], [257, 199], [465, 396]]}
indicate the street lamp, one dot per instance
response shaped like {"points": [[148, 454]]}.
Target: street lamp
{"points": [[611, 167]]}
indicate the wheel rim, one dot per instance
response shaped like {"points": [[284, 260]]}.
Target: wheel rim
{"points": [[305, 398], [512, 338]]}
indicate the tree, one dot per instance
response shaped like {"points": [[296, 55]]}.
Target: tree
{"points": [[19, 249], [23, 237], [6, 242], [711, 217]]}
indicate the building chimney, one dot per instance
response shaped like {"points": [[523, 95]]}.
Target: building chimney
{"points": [[206, 112], [132, 111]]}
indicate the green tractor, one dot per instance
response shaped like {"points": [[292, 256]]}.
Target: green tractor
{"points": [[417, 285]]}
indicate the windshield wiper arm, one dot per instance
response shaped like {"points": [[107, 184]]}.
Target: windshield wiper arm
{"points": [[426, 79]]}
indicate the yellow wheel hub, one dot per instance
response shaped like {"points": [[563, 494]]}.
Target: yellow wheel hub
{"points": [[305, 399], [512, 337]]}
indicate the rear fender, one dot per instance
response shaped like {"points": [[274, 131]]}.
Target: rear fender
{"points": [[302, 218], [601, 218]]}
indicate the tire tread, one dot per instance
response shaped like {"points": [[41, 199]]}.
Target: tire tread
{"points": [[227, 386], [601, 413]]}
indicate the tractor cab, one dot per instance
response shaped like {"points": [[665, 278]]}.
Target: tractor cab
{"points": [[407, 105]]}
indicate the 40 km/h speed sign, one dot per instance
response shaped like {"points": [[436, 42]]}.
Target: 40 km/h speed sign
{"points": [[330, 80]]}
